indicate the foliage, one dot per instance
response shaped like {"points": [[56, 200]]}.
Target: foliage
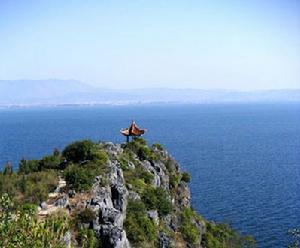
{"points": [[157, 198], [140, 148], [53, 161], [138, 178], [188, 228], [80, 151], [138, 226], [27, 166], [8, 169], [158, 146], [86, 216], [221, 235], [31, 188], [86, 238], [79, 177], [174, 180], [186, 177], [21, 229]]}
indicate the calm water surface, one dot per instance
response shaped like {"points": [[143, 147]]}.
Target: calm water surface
{"points": [[244, 159]]}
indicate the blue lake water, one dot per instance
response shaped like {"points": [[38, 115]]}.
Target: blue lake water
{"points": [[244, 159]]}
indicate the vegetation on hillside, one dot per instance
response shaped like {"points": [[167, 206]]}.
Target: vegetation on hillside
{"points": [[80, 163]]}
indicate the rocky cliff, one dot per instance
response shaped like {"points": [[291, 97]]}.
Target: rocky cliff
{"points": [[135, 170], [127, 195]]}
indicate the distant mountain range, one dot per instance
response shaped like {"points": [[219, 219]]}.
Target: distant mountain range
{"points": [[64, 92]]}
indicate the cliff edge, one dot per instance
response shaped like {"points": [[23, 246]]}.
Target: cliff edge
{"points": [[119, 196]]}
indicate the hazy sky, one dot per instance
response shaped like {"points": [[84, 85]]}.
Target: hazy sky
{"points": [[229, 44]]}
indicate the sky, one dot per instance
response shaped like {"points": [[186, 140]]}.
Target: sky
{"points": [[244, 45]]}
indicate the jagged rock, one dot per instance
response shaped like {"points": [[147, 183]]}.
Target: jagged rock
{"points": [[131, 165], [62, 202], [114, 237], [109, 204], [164, 241], [148, 167], [111, 148], [185, 195], [67, 239], [71, 193], [153, 215], [134, 196], [44, 206]]}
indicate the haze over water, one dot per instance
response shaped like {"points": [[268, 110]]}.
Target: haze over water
{"points": [[244, 159]]}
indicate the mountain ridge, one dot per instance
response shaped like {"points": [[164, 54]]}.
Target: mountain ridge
{"points": [[61, 92]]}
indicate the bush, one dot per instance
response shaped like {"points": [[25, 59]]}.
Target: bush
{"points": [[86, 216], [28, 166], [189, 231], [24, 229], [174, 180], [139, 178], [158, 147], [138, 226], [221, 235], [8, 169], [157, 199], [86, 238], [84, 150], [35, 187], [29, 208], [186, 177], [30, 188], [140, 148], [50, 162], [79, 177]]}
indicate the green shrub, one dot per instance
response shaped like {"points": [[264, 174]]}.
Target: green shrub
{"points": [[174, 180], [186, 177], [86, 216], [28, 166], [221, 235], [139, 178], [189, 230], [29, 208], [158, 147], [30, 188], [140, 148], [138, 226], [100, 157], [50, 162], [8, 169], [170, 165], [86, 238], [24, 229], [35, 187], [84, 150], [79, 177], [157, 199]]}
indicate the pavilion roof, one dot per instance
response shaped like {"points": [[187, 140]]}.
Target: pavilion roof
{"points": [[133, 130]]}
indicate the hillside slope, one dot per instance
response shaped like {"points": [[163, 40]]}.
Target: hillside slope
{"points": [[113, 196]]}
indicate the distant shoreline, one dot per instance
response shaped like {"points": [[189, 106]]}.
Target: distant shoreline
{"points": [[128, 104]]}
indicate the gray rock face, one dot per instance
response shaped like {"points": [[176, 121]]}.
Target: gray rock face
{"points": [[153, 215], [111, 148], [44, 206], [71, 193], [164, 241], [185, 195], [109, 204], [134, 196], [62, 202]]}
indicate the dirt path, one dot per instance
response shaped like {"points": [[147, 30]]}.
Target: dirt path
{"points": [[52, 198]]}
